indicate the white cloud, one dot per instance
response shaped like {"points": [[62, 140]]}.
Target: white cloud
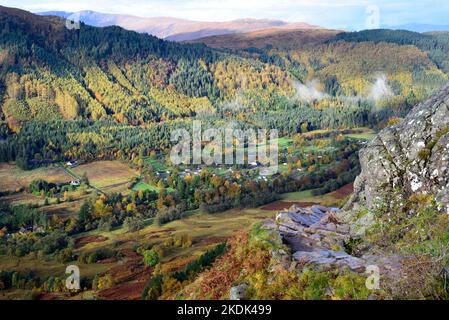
{"points": [[380, 90], [309, 92]]}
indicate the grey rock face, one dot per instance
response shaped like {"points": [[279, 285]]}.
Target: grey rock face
{"points": [[411, 156], [311, 233], [330, 259]]}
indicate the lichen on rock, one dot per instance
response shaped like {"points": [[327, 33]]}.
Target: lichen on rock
{"points": [[410, 157]]}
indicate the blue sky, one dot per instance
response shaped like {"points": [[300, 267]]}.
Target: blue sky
{"points": [[327, 13]]}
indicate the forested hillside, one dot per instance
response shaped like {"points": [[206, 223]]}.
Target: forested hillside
{"points": [[109, 92], [50, 73], [87, 176], [411, 65]]}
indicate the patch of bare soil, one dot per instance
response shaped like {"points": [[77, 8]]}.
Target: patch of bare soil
{"points": [[89, 239], [52, 296], [177, 264], [213, 240], [130, 277], [157, 234], [344, 191]]}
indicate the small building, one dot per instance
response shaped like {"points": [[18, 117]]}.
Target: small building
{"points": [[25, 230], [37, 229], [163, 175], [75, 183], [71, 164]]}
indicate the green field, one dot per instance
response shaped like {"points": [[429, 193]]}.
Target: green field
{"points": [[145, 186], [368, 134], [157, 165], [284, 142], [336, 198], [298, 196]]}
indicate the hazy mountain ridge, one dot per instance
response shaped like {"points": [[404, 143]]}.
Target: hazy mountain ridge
{"points": [[178, 29], [419, 27]]}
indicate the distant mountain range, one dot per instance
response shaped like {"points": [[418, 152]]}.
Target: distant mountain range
{"points": [[178, 29], [419, 27]]}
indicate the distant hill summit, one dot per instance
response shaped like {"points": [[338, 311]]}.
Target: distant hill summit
{"points": [[177, 29], [276, 37], [420, 27]]}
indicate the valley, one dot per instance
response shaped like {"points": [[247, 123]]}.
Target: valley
{"points": [[87, 176]]}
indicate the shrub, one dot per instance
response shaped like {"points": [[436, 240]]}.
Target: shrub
{"points": [[105, 282], [51, 243], [350, 286], [134, 223], [166, 216], [65, 255], [105, 224], [202, 262], [183, 240], [150, 258], [38, 185], [424, 154], [314, 284], [154, 288], [97, 255]]}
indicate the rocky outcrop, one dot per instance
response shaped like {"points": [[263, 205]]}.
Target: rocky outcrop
{"points": [[317, 239], [409, 157]]}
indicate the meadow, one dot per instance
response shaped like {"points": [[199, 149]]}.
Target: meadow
{"points": [[178, 242], [104, 176], [108, 176], [13, 178], [206, 231]]}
